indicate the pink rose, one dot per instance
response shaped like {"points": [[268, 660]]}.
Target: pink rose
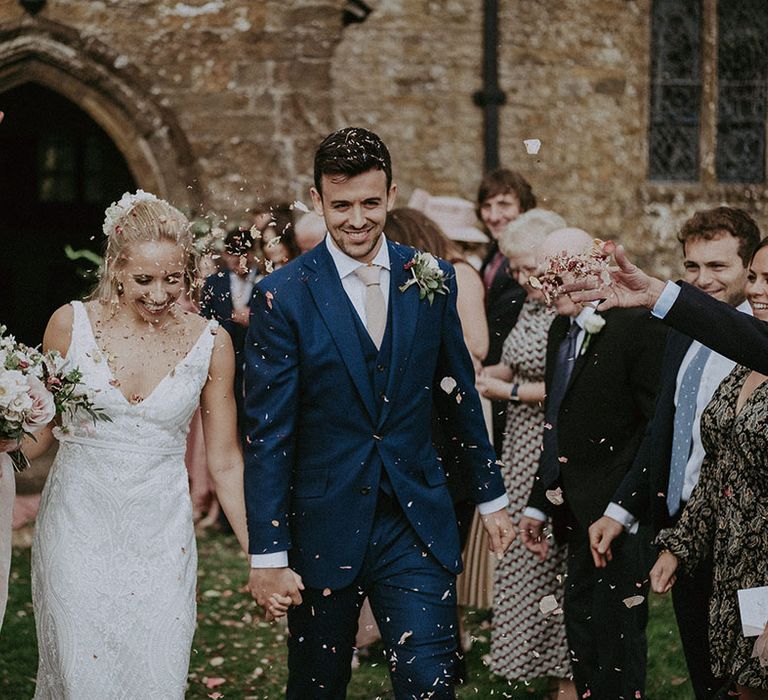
{"points": [[43, 406]]}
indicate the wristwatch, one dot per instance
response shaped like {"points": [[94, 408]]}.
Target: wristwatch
{"points": [[513, 396]]}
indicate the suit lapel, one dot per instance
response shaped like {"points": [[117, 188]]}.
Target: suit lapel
{"points": [[331, 301], [404, 308], [583, 356]]}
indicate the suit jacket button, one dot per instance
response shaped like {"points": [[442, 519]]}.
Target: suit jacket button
{"points": [[380, 368], [366, 490]]}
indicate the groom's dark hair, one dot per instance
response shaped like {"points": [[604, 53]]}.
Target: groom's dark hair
{"points": [[351, 151]]}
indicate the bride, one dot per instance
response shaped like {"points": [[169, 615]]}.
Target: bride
{"points": [[114, 559]]}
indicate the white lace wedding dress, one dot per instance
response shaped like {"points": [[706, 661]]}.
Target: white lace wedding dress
{"points": [[114, 560]]}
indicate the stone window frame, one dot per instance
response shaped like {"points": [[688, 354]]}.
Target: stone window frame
{"points": [[707, 185]]}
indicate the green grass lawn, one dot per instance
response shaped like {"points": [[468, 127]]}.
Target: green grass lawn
{"points": [[236, 656]]}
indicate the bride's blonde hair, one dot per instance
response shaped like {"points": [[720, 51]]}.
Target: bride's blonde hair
{"points": [[142, 218]]}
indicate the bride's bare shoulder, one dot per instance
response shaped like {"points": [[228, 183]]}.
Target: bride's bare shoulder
{"points": [[58, 332], [194, 323]]}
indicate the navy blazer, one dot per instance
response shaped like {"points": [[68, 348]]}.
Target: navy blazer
{"points": [[503, 303], [729, 332], [643, 492], [318, 437]]}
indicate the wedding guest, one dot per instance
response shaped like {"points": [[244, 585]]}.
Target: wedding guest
{"points": [[114, 557], [601, 379], [278, 241], [717, 248], [226, 296], [524, 643], [309, 231], [725, 518], [501, 197]]}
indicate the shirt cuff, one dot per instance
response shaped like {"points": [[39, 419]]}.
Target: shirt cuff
{"points": [[535, 513], [489, 507], [666, 299], [623, 516], [273, 560]]}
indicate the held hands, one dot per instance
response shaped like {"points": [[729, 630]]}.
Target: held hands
{"points": [[663, 572], [275, 590], [9, 445], [500, 530], [532, 536], [602, 533], [629, 286], [241, 316]]}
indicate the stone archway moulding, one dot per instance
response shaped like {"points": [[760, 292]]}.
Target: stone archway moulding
{"points": [[111, 92]]}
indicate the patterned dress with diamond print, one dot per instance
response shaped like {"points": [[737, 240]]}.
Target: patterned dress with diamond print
{"points": [[526, 644], [727, 518], [114, 560]]}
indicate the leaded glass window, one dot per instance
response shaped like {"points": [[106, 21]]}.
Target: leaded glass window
{"points": [[675, 90], [742, 62]]}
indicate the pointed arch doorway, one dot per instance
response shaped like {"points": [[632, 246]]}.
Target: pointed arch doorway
{"points": [[59, 170]]}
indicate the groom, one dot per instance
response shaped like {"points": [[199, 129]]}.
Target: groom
{"points": [[345, 495]]}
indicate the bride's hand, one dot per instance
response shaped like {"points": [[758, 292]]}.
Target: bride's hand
{"points": [[9, 445], [278, 606], [663, 572]]}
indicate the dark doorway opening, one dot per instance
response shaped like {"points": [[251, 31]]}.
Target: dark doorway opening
{"points": [[59, 170]]}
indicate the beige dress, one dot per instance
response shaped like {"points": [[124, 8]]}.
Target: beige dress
{"points": [[526, 644]]}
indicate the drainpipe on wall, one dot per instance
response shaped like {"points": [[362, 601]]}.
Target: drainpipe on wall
{"points": [[491, 97]]}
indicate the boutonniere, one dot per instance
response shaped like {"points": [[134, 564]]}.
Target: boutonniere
{"points": [[592, 326], [426, 275]]}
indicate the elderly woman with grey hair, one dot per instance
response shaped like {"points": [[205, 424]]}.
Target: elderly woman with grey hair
{"points": [[524, 643]]}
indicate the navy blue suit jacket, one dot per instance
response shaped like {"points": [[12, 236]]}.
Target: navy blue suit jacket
{"points": [[216, 302], [317, 436], [644, 488], [729, 332]]}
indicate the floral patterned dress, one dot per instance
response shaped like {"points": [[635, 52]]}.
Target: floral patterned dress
{"points": [[727, 515], [525, 644]]}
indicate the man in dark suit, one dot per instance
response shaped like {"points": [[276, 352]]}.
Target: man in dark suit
{"points": [[501, 197], [601, 379], [348, 349], [716, 324], [226, 296], [717, 247]]}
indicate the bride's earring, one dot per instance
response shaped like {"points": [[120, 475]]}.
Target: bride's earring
{"points": [[120, 289]]}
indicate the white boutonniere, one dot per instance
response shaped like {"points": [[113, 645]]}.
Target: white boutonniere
{"points": [[426, 275], [592, 326]]}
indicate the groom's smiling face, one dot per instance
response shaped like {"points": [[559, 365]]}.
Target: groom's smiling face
{"points": [[355, 210]]}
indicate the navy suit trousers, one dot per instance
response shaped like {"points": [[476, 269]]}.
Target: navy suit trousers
{"points": [[414, 602]]}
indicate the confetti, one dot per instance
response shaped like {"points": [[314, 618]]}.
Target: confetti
{"points": [[555, 496], [634, 600], [549, 605], [532, 146], [447, 384]]}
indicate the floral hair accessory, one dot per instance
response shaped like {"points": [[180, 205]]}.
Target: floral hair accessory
{"points": [[426, 275], [592, 261], [117, 210]]}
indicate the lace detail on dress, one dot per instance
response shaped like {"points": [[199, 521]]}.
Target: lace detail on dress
{"points": [[114, 560]]}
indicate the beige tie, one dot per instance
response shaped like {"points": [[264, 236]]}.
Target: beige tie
{"points": [[375, 309]]}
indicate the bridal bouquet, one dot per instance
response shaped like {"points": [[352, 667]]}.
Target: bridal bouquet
{"points": [[34, 388], [593, 261]]}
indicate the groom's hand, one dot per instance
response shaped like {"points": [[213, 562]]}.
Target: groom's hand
{"points": [[264, 583], [500, 530]]}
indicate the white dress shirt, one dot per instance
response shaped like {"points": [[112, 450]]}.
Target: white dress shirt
{"points": [[355, 289], [240, 289], [716, 369]]}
